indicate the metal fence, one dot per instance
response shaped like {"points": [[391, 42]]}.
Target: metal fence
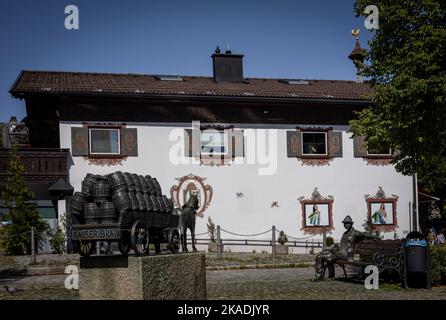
{"points": [[220, 242]]}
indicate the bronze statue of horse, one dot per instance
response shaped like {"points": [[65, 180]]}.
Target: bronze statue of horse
{"points": [[187, 221]]}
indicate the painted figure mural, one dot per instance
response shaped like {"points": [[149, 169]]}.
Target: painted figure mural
{"points": [[380, 216], [315, 216]]}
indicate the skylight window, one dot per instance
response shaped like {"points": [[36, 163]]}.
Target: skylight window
{"points": [[170, 78], [294, 82]]}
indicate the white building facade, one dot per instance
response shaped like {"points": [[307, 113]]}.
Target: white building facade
{"points": [[258, 152], [250, 196]]}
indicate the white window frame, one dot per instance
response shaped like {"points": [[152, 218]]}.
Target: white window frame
{"points": [[103, 129], [314, 154], [225, 144], [380, 154]]}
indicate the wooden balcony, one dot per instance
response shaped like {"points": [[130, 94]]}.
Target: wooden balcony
{"points": [[41, 164]]}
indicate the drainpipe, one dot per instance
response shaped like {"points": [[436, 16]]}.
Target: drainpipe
{"points": [[415, 219]]}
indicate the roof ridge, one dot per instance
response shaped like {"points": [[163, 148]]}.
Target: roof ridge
{"points": [[179, 75], [66, 82]]}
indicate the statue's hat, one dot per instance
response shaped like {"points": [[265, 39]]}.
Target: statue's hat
{"points": [[347, 219]]}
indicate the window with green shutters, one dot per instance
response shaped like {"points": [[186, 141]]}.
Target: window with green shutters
{"points": [[307, 143], [102, 141]]}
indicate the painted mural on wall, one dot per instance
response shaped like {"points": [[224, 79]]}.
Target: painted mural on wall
{"points": [[317, 213], [192, 185], [381, 210]]}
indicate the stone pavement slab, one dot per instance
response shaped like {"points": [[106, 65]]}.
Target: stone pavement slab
{"points": [[263, 284]]}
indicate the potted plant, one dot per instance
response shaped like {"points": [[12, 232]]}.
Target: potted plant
{"points": [[329, 242], [282, 248]]}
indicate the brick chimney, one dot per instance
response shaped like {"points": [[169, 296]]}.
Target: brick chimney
{"points": [[228, 67]]}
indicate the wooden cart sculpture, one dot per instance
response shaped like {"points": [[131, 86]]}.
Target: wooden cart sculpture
{"points": [[126, 208]]}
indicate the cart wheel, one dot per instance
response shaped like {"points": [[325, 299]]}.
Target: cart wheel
{"points": [[124, 243], [85, 248], [140, 238], [174, 240]]}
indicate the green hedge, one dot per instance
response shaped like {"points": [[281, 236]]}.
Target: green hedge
{"points": [[438, 263]]}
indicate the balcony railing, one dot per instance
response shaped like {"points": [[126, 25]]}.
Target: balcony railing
{"points": [[41, 164]]}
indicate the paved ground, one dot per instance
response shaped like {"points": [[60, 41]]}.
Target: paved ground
{"points": [[229, 259], [266, 284], [37, 288], [296, 284]]}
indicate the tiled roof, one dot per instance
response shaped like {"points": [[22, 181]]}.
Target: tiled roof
{"points": [[42, 82]]}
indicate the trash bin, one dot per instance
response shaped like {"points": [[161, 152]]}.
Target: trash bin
{"points": [[417, 261]]}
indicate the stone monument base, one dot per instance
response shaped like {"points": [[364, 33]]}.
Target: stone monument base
{"points": [[158, 277]]}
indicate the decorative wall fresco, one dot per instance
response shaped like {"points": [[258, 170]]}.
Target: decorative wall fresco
{"points": [[317, 213], [381, 210], [189, 185]]}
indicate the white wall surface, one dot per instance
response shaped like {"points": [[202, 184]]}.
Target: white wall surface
{"points": [[347, 179]]}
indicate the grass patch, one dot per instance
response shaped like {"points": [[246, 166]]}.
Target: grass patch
{"points": [[390, 287]]}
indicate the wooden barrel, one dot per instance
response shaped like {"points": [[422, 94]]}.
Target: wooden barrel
{"points": [[152, 189], [101, 190], [144, 184], [129, 182], [77, 204], [107, 213], [155, 204], [161, 204], [133, 200], [149, 205], [88, 184], [121, 200], [137, 183], [158, 191], [91, 213], [116, 180], [168, 204], [141, 202]]}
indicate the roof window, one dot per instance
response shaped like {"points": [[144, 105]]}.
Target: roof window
{"points": [[294, 81], [170, 78]]}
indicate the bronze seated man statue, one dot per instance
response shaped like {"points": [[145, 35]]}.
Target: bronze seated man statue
{"points": [[345, 250]]}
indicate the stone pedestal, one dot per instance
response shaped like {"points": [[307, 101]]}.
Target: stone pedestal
{"points": [[282, 249], [212, 247], [157, 277]]}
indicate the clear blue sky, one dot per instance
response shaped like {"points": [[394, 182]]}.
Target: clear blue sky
{"points": [[279, 38]]}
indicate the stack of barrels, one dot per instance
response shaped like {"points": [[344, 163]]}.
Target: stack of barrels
{"points": [[103, 198], [94, 203]]}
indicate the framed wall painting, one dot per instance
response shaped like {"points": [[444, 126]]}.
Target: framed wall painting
{"points": [[382, 211], [317, 213]]}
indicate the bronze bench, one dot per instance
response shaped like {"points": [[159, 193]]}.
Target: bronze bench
{"points": [[386, 255]]}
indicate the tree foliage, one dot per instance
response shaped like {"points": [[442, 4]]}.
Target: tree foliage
{"points": [[58, 237], [406, 67], [368, 227], [15, 237]]}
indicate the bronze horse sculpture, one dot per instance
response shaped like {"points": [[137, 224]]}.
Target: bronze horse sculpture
{"points": [[187, 221]]}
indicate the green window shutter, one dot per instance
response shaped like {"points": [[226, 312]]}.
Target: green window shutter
{"points": [[359, 148], [294, 143], [79, 141], [188, 142], [237, 143], [334, 144], [129, 142], [190, 137]]}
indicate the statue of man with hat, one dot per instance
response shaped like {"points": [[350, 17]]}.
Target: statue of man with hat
{"points": [[343, 252]]}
